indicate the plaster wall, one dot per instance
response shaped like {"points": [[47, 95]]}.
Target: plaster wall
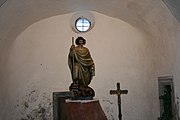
{"points": [[177, 78], [164, 35], [37, 66]]}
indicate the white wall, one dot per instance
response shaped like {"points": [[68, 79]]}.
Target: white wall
{"points": [[37, 66], [35, 63], [164, 35], [177, 76]]}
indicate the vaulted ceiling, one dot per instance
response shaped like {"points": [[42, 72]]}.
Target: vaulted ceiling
{"points": [[16, 15]]}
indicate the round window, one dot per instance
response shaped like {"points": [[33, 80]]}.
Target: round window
{"points": [[82, 24]]}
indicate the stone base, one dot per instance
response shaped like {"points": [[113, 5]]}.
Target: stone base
{"points": [[84, 110], [81, 92]]}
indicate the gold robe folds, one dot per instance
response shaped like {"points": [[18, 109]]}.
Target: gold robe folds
{"points": [[81, 65]]}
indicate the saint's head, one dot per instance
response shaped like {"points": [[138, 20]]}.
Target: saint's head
{"points": [[80, 41]]}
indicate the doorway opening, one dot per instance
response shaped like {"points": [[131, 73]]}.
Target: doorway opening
{"points": [[166, 98], [59, 105]]}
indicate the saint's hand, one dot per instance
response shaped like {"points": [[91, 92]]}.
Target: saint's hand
{"points": [[72, 46]]}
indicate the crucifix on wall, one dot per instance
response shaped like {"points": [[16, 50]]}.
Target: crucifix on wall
{"points": [[118, 92]]}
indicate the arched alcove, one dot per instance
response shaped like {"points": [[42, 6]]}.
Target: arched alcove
{"points": [[37, 66]]}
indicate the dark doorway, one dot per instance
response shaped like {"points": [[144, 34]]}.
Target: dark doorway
{"points": [[166, 98], [59, 108]]}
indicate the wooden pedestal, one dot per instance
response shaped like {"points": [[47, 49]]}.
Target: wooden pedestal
{"points": [[84, 110]]}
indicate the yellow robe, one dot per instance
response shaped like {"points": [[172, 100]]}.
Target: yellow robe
{"points": [[81, 65]]}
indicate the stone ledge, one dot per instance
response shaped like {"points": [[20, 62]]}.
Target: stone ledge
{"points": [[81, 101]]}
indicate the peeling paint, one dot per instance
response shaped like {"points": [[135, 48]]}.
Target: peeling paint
{"points": [[108, 101], [40, 113], [35, 106], [109, 111]]}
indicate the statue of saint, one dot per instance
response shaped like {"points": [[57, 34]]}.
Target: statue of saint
{"points": [[82, 70]]}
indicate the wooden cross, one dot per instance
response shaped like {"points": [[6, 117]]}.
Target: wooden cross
{"points": [[118, 92]]}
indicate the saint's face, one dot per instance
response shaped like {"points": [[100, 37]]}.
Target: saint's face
{"points": [[81, 42]]}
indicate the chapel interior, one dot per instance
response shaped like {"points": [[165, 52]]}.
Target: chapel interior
{"points": [[133, 42]]}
